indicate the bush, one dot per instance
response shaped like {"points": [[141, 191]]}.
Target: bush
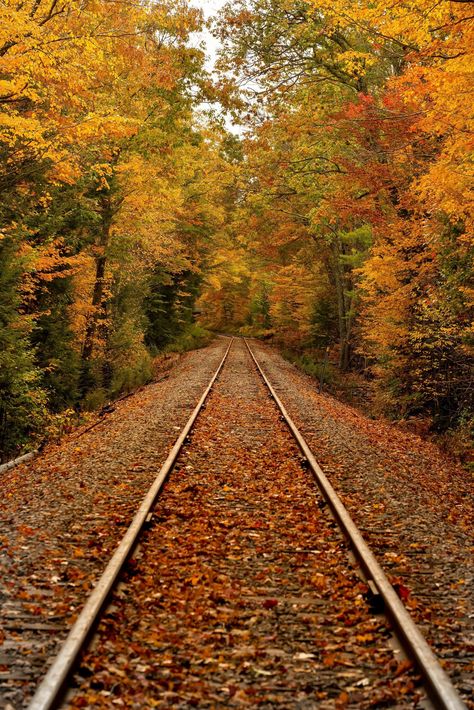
{"points": [[95, 399], [256, 331], [194, 337], [313, 366], [459, 441], [129, 378], [23, 401]]}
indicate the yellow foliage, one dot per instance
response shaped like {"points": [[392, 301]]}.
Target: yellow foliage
{"points": [[73, 75]]}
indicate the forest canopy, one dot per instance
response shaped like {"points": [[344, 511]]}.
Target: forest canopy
{"points": [[337, 220]]}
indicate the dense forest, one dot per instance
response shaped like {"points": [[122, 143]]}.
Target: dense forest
{"points": [[335, 220]]}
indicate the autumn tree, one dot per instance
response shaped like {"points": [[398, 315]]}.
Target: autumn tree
{"points": [[110, 189], [341, 218], [358, 141]]}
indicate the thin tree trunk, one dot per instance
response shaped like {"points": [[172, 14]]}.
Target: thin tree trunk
{"points": [[99, 283], [344, 344]]}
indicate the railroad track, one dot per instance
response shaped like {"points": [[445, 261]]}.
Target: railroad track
{"points": [[255, 571]]}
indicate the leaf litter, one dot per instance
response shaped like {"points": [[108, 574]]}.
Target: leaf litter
{"points": [[413, 504], [242, 592], [247, 597], [62, 515]]}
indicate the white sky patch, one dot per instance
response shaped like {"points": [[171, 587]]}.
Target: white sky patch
{"points": [[210, 8]]}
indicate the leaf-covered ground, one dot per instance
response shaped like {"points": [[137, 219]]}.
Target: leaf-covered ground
{"points": [[242, 592], [413, 504], [62, 515]]}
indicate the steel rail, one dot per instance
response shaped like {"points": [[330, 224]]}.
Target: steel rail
{"points": [[438, 685], [52, 688]]}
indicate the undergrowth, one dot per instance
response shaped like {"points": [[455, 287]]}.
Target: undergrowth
{"points": [[193, 338], [324, 372], [128, 377], [356, 390]]}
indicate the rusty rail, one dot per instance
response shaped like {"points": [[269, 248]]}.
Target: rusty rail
{"points": [[51, 690], [438, 685]]}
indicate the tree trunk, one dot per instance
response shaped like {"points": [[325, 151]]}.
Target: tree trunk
{"points": [[99, 283], [342, 310]]}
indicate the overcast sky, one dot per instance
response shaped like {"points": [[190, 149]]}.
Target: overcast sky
{"points": [[211, 7]]}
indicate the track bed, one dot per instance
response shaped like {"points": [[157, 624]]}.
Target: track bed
{"points": [[241, 591]]}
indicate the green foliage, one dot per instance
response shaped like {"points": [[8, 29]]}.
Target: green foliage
{"points": [[324, 322], [259, 312], [95, 399], [126, 362], [23, 402], [315, 366], [128, 377], [168, 307], [441, 376], [55, 355], [193, 337]]}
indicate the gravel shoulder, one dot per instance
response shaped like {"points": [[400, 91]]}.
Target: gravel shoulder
{"points": [[62, 515], [413, 505]]}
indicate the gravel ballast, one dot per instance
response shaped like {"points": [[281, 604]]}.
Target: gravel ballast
{"points": [[412, 503], [62, 515]]}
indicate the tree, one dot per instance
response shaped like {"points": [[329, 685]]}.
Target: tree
{"points": [[357, 153], [107, 179]]}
